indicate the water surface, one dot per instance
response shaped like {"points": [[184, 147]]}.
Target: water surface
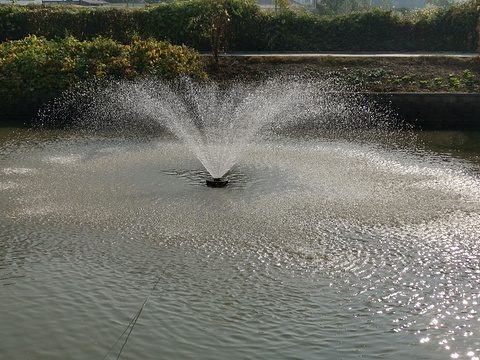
{"points": [[317, 249]]}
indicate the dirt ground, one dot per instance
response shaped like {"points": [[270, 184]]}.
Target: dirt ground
{"points": [[373, 74]]}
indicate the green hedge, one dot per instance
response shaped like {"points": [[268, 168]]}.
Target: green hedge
{"points": [[18, 22], [249, 28], [452, 28], [36, 65]]}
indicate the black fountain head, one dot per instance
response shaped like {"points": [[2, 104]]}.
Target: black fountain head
{"points": [[217, 182]]}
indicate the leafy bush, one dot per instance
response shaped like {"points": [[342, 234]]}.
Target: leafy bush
{"points": [[36, 65], [250, 29], [468, 78], [83, 23], [377, 30], [449, 29]]}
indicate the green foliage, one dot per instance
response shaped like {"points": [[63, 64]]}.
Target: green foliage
{"points": [[428, 12], [331, 7], [401, 80], [240, 25], [340, 7], [468, 78], [205, 24], [36, 65], [453, 82], [213, 21], [409, 78], [83, 23], [444, 3], [281, 5], [289, 31], [448, 29], [171, 21]]}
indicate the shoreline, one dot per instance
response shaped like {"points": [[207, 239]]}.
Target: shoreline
{"points": [[422, 73], [417, 105]]}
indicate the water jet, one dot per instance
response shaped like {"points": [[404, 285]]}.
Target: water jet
{"points": [[220, 123]]}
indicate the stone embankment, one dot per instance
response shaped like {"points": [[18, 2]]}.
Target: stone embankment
{"points": [[423, 110], [434, 110]]}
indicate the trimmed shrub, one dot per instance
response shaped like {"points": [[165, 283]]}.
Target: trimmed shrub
{"points": [[250, 29], [450, 29], [17, 22]]}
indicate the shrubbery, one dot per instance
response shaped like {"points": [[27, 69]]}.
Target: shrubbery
{"points": [[37, 65], [249, 29], [83, 23], [447, 29]]}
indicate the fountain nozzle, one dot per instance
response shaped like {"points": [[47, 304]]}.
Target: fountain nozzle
{"points": [[217, 182]]}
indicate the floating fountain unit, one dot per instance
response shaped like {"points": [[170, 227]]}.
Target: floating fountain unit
{"points": [[217, 182]]}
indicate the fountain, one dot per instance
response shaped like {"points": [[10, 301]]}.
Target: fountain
{"points": [[217, 123], [339, 234]]}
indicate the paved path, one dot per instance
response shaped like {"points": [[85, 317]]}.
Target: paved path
{"points": [[353, 54]]}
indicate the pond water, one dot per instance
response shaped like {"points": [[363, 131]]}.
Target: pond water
{"points": [[317, 249]]}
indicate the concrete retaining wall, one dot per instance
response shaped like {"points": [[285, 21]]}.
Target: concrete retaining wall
{"points": [[435, 109], [23, 113], [423, 110]]}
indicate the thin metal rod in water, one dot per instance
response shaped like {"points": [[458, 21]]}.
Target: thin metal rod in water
{"points": [[134, 320]]}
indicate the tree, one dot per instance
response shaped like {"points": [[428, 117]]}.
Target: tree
{"points": [[213, 20]]}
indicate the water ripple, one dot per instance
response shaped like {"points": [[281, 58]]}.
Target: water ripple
{"points": [[316, 249]]}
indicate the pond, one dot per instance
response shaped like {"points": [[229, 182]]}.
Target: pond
{"points": [[317, 249]]}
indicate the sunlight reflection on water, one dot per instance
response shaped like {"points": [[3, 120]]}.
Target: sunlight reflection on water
{"points": [[317, 250]]}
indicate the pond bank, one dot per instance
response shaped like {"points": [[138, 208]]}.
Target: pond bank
{"points": [[423, 74], [427, 91]]}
